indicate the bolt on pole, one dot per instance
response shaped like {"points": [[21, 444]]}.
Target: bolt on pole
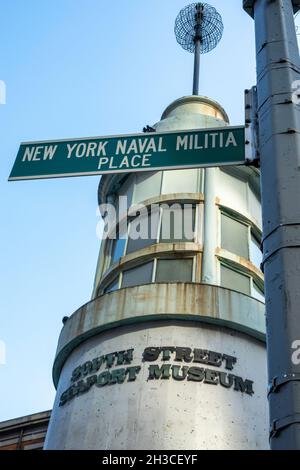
{"points": [[278, 68]]}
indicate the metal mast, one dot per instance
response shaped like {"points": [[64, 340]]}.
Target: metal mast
{"points": [[197, 40], [198, 29]]}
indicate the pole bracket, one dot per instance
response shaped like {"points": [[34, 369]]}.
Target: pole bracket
{"points": [[277, 382], [279, 424], [255, 162], [283, 236]]}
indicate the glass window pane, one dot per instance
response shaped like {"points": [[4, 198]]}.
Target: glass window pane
{"points": [[118, 249], [147, 186], [137, 276], [174, 270], [126, 191], [257, 293], [254, 207], [255, 252], [180, 181], [114, 285], [233, 192], [143, 232], [178, 224], [235, 280], [234, 236]]}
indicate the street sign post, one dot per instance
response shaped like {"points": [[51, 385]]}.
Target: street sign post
{"points": [[130, 153], [278, 69]]}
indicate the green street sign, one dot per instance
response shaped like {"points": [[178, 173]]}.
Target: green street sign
{"points": [[130, 153]]}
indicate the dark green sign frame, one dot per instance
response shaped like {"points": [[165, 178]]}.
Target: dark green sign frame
{"points": [[130, 153]]}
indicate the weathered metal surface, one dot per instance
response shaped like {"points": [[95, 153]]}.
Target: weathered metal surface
{"points": [[196, 105], [176, 301], [166, 250], [239, 261], [278, 71], [189, 112], [249, 6], [164, 413]]}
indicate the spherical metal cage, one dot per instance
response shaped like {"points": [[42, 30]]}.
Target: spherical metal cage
{"points": [[211, 27]]}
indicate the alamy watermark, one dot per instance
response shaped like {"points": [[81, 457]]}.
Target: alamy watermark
{"points": [[296, 92], [296, 352], [2, 353], [2, 92], [145, 221]]}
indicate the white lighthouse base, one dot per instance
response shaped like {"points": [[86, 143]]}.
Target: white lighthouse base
{"points": [[187, 407]]}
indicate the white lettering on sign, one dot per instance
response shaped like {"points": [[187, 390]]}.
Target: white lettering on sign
{"points": [[133, 153], [134, 161], [49, 152], [221, 140], [101, 148], [92, 146], [124, 163], [133, 147], [140, 146], [182, 142], [70, 149], [145, 161], [205, 141], [102, 162], [80, 150], [121, 147], [90, 149], [124, 153], [231, 140], [39, 153], [214, 136]]}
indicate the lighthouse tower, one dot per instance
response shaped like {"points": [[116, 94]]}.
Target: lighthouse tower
{"points": [[170, 351]]}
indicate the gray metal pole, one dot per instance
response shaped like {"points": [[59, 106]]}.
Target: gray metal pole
{"points": [[198, 17], [278, 66], [196, 68]]}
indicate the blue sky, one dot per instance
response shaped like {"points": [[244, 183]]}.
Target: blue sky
{"points": [[76, 68]]}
